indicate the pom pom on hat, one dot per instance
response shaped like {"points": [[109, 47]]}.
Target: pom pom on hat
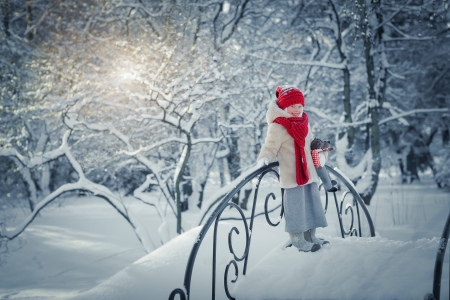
{"points": [[289, 95]]}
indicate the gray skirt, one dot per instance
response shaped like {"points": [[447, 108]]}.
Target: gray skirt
{"points": [[303, 208]]}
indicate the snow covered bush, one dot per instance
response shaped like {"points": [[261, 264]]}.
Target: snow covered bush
{"points": [[442, 175]]}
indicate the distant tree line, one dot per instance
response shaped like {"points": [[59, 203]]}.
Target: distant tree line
{"points": [[149, 99]]}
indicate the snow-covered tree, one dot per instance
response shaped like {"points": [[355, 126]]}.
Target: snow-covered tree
{"points": [[149, 98]]}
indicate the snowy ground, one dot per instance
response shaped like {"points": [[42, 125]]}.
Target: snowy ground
{"points": [[84, 250]]}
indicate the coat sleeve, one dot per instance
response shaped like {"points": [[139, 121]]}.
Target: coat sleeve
{"points": [[272, 143]]}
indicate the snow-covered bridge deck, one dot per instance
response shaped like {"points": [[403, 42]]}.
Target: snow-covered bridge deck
{"points": [[351, 268]]}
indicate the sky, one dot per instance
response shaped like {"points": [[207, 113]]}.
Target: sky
{"points": [[81, 249]]}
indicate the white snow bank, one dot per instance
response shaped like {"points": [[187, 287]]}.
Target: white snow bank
{"points": [[352, 268], [79, 246], [152, 277]]}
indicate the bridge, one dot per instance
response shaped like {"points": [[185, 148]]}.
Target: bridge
{"points": [[351, 220]]}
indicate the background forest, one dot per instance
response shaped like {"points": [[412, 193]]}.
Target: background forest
{"points": [[136, 100]]}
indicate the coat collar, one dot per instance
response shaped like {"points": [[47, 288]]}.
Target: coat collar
{"points": [[274, 111]]}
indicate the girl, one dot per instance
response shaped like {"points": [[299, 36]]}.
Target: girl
{"points": [[288, 139]]}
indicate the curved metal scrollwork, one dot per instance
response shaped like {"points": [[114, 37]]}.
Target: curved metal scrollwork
{"points": [[177, 292], [225, 277], [266, 211], [436, 295], [348, 208], [215, 218], [230, 246], [357, 203], [270, 195]]}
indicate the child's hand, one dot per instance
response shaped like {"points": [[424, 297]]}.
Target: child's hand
{"points": [[263, 161]]}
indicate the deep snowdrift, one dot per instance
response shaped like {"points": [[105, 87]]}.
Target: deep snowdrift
{"points": [[352, 268], [76, 248]]}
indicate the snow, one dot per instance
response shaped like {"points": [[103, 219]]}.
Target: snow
{"points": [[360, 170], [351, 268], [85, 250]]}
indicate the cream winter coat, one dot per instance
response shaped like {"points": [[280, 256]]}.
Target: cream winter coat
{"points": [[279, 144]]}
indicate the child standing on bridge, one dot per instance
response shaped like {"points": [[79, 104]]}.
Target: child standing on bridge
{"points": [[288, 139]]}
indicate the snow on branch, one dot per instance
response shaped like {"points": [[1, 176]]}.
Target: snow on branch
{"points": [[170, 140], [414, 111], [163, 116], [30, 184], [321, 114], [405, 37], [163, 229], [398, 76], [238, 111], [114, 104], [357, 171], [155, 145], [125, 139], [167, 97], [86, 185], [352, 124], [236, 127], [368, 120], [395, 111], [206, 140], [154, 168], [408, 38], [14, 153], [51, 155], [82, 184], [388, 19], [160, 13], [339, 66], [37, 160], [332, 121]]}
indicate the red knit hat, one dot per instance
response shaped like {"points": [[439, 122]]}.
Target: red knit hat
{"points": [[289, 95]]}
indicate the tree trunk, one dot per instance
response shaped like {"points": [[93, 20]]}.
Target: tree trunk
{"points": [[374, 135], [374, 103], [29, 18], [29, 183], [221, 167], [178, 180], [411, 166], [6, 16], [446, 137], [346, 75], [43, 180], [201, 193], [244, 203], [187, 189], [348, 109], [234, 163]]}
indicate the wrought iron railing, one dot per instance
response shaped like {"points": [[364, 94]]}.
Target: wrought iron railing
{"points": [[436, 295], [357, 203], [346, 187]]}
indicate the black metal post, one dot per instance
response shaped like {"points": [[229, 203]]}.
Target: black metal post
{"points": [[440, 260], [336, 172]]}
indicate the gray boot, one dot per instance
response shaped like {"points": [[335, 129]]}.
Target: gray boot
{"points": [[310, 236], [327, 184], [298, 240]]}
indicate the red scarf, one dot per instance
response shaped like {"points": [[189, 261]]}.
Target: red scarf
{"points": [[297, 127]]}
